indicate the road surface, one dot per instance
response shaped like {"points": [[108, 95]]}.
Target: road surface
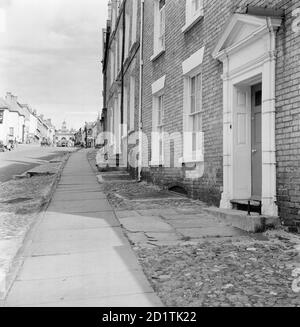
{"points": [[26, 157]]}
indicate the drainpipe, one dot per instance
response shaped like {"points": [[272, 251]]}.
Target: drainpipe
{"points": [[122, 82], [140, 92]]}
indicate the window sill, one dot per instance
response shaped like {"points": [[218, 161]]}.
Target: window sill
{"points": [[156, 163], [192, 21], [191, 159], [157, 54]]}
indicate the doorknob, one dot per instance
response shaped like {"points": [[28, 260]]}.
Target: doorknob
{"points": [[254, 151]]}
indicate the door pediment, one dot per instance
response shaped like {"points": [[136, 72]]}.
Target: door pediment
{"points": [[240, 29]]}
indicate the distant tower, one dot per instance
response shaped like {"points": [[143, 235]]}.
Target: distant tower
{"points": [[64, 126]]}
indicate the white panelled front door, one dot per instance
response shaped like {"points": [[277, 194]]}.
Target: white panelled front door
{"points": [[242, 142]]}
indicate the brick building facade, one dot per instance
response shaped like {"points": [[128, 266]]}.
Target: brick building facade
{"points": [[230, 70], [121, 71]]}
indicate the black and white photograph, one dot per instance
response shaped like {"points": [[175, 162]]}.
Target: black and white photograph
{"points": [[149, 156]]}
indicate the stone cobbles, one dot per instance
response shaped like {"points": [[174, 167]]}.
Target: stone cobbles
{"points": [[221, 274], [114, 193]]}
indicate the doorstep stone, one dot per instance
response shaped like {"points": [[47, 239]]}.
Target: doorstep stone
{"points": [[241, 220]]}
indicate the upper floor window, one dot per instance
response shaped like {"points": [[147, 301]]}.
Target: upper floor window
{"points": [[162, 23], [132, 103], [127, 34], [159, 27], [193, 109], [196, 111], [160, 127], [120, 45], [112, 66], [134, 21], [113, 17], [193, 13], [118, 6], [196, 6]]}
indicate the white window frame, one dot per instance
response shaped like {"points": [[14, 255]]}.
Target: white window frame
{"points": [[112, 65], [196, 111], [159, 30], [11, 131], [127, 34], [117, 122], [113, 17], [119, 2], [134, 22], [157, 139], [192, 67], [1, 116], [125, 111], [116, 59], [120, 45], [132, 104], [193, 15]]}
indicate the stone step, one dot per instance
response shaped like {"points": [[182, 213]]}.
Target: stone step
{"points": [[110, 173], [254, 223]]}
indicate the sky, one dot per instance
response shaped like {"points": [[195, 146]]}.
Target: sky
{"points": [[50, 56]]}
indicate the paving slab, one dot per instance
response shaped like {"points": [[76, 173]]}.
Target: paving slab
{"points": [[163, 237], [69, 247], [66, 196], [146, 224], [207, 232], [76, 191], [126, 214], [78, 179], [187, 210], [59, 221], [156, 212], [107, 234], [187, 216], [76, 264], [137, 237], [192, 223], [98, 205], [37, 292], [79, 187], [127, 301]]}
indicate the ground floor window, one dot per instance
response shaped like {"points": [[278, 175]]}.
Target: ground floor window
{"points": [[160, 126], [158, 109], [193, 138], [1, 116], [196, 112]]}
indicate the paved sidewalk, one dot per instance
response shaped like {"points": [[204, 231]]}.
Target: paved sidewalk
{"points": [[78, 255]]}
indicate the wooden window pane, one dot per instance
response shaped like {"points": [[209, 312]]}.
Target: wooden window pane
{"points": [[199, 93]]}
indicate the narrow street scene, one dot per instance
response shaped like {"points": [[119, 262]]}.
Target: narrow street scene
{"points": [[156, 168]]}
